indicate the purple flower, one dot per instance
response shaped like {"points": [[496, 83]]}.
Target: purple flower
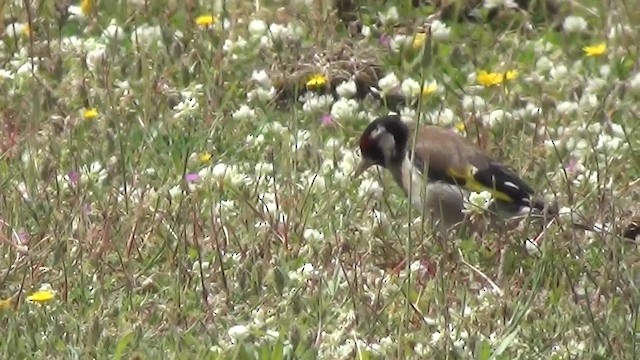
{"points": [[73, 177], [192, 177], [385, 40], [326, 120], [572, 165]]}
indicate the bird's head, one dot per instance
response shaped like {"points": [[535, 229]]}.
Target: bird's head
{"points": [[382, 143]]}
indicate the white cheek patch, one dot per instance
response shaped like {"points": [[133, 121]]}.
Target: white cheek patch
{"points": [[377, 132]]}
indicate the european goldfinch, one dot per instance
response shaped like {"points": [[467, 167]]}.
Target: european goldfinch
{"points": [[453, 166]]}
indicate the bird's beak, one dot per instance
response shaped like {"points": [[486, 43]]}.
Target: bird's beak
{"points": [[362, 166]]}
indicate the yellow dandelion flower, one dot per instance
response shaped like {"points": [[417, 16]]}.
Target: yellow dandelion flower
{"points": [[485, 78], [86, 6], [205, 20], [41, 296], [460, 126], [205, 157], [90, 114], [511, 74], [429, 89], [316, 81], [595, 50], [418, 40]]}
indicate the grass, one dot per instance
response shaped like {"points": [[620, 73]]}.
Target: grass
{"points": [[267, 249]]}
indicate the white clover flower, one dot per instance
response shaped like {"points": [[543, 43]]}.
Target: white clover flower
{"points": [[313, 235], [266, 42], [398, 41], [238, 333], [261, 78], [617, 130], [96, 56], [346, 165], [390, 17], [436, 337], [252, 140], [410, 88], [574, 24], [558, 72], [531, 247], [589, 101], [533, 111], [262, 169], [302, 138], [344, 109], [4, 74], [365, 31], [608, 143], [440, 31], [347, 89], [244, 113], [370, 187], [316, 103], [443, 117], [407, 114], [275, 127], [379, 218], [315, 182], [567, 107], [146, 35], [93, 173], [594, 85], [230, 46], [388, 83], [634, 83], [496, 117], [490, 4], [543, 64], [16, 29], [261, 94], [473, 103], [186, 108], [113, 31], [257, 28], [328, 166], [478, 202]]}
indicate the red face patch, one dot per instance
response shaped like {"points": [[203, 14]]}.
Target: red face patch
{"points": [[365, 143]]}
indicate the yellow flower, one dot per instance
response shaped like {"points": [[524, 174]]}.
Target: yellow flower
{"points": [[86, 6], [41, 296], [595, 50], [429, 89], [511, 74], [316, 81], [205, 20], [489, 79], [205, 157], [494, 78], [460, 126], [90, 114], [418, 40]]}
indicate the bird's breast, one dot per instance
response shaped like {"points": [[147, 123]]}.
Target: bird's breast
{"points": [[427, 195]]}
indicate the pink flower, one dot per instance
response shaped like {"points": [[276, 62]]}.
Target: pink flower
{"points": [[192, 177], [326, 120]]}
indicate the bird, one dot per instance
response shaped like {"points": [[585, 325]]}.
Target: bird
{"points": [[453, 166]]}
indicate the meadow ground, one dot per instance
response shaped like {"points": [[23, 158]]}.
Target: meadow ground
{"points": [[166, 193]]}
